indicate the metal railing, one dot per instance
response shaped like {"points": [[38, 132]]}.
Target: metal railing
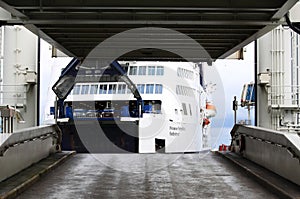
{"points": [[13, 94], [284, 96], [272, 137], [32, 134]]}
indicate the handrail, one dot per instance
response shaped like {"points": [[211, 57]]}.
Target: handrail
{"points": [[290, 141], [31, 134]]}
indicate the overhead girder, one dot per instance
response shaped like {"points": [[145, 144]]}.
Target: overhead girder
{"points": [[220, 26]]}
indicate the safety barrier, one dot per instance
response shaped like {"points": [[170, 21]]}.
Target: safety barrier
{"points": [[275, 150], [25, 147]]}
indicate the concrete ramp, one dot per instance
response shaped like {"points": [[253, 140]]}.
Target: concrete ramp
{"points": [[22, 148], [275, 150]]}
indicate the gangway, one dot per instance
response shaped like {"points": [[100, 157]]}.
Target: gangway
{"points": [[198, 175]]}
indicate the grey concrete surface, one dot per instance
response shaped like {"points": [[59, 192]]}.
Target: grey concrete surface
{"points": [[203, 175], [275, 183], [16, 184]]}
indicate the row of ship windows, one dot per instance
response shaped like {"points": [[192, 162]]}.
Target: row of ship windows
{"points": [[297, 49], [184, 109], [116, 89], [146, 70], [184, 73], [185, 91]]}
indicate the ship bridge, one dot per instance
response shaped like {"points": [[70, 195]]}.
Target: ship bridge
{"points": [[221, 27]]}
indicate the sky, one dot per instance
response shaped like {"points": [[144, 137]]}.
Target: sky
{"points": [[50, 72], [234, 74]]}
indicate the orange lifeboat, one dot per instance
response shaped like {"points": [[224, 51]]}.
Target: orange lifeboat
{"points": [[210, 110]]}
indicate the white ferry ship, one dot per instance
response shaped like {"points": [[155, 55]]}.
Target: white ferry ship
{"points": [[174, 117]]}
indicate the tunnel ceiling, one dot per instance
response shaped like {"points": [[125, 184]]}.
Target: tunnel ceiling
{"points": [[221, 26]]}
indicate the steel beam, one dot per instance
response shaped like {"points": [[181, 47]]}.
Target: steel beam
{"points": [[144, 22]]}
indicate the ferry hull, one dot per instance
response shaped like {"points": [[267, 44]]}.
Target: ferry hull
{"points": [[82, 137]]}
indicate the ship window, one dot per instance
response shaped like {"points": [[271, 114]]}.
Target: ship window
{"points": [[184, 91], [102, 89], [152, 106], [125, 68], [190, 74], [94, 89], [184, 108], [160, 71], [121, 88], [297, 56], [297, 50], [180, 90], [179, 72], [151, 70], [112, 88], [76, 90], [185, 73], [142, 70], [190, 109], [85, 89], [133, 70], [158, 89], [128, 90], [88, 72], [97, 71], [149, 88], [141, 88]]}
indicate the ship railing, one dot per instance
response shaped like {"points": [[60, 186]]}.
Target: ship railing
{"points": [[284, 97]]}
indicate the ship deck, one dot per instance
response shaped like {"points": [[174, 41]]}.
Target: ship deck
{"points": [[202, 175]]}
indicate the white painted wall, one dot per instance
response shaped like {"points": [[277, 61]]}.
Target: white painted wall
{"points": [[279, 53], [20, 55]]}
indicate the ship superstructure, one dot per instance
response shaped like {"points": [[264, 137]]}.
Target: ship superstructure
{"points": [[174, 105]]}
